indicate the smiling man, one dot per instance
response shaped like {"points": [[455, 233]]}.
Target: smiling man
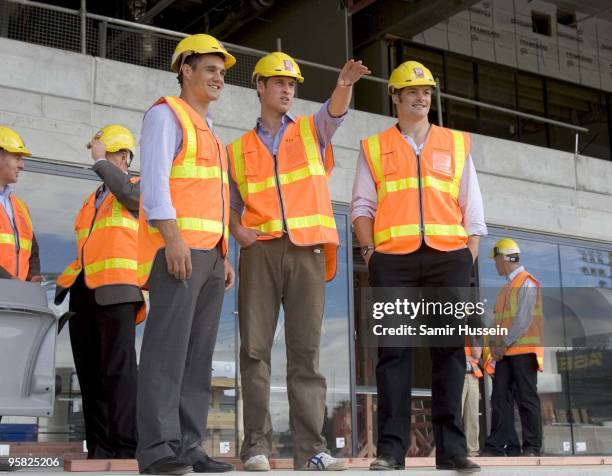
{"points": [[283, 219], [418, 215], [182, 258], [18, 248]]}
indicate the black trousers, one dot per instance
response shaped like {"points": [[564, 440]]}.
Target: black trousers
{"points": [[102, 339], [521, 373], [425, 267]]}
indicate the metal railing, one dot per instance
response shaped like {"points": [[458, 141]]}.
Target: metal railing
{"points": [[145, 45]]}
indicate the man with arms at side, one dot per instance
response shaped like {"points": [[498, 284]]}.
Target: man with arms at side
{"points": [[183, 243]]}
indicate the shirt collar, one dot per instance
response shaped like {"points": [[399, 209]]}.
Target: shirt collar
{"points": [[6, 191], [514, 273], [259, 126]]}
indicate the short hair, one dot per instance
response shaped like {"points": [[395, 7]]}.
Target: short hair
{"points": [[192, 60], [263, 79]]}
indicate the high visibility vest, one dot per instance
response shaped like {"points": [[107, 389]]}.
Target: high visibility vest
{"points": [[473, 362], [290, 192], [15, 254], [199, 190], [107, 246], [418, 196], [532, 340], [487, 358]]}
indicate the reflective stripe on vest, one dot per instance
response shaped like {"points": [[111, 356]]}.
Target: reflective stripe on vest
{"points": [[295, 180], [473, 362], [199, 189], [405, 182], [107, 242], [15, 257], [531, 341]]}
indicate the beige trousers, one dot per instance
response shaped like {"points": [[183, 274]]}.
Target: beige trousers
{"points": [[469, 404], [271, 273]]}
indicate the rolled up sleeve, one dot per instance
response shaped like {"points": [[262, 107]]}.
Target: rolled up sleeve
{"points": [[365, 200], [160, 140], [326, 124], [470, 201]]}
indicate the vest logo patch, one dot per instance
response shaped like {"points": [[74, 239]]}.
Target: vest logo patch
{"points": [[442, 162]]}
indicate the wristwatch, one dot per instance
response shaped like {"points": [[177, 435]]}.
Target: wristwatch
{"points": [[366, 249]]}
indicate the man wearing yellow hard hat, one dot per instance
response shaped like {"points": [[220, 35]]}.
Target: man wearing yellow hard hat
{"points": [[182, 259], [518, 356], [18, 247], [283, 219], [106, 298], [418, 215]]}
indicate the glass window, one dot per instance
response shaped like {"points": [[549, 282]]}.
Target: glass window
{"points": [[530, 96], [54, 201], [497, 86], [542, 260], [334, 363], [588, 361], [574, 388], [460, 82], [580, 106]]}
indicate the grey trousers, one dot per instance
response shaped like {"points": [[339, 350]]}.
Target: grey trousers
{"points": [[176, 358]]}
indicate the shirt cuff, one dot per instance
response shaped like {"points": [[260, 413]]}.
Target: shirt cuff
{"points": [[337, 120], [480, 230], [161, 212], [362, 211]]}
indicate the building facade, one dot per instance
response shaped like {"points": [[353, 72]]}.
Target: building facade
{"points": [[555, 203]]}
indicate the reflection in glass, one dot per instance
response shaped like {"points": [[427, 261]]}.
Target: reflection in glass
{"points": [[589, 363], [580, 106], [496, 85], [542, 260], [54, 202]]}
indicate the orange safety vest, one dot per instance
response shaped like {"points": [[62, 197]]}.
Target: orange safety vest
{"points": [[15, 256], [473, 362], [107, 246], [418, 196], [532, 340], [199, 190], [291, 187], [487, 358]]}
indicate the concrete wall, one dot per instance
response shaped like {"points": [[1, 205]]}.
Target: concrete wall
{"points": [[57, 100]]}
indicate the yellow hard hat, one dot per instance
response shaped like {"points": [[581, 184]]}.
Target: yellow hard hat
{"points": [[505, 247], [12, 142], [116, 138], [410, 73], [277, 64], [200, 44]]}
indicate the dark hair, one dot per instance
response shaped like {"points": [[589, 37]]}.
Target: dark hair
{"points": [[263, 79], [193, 60]]}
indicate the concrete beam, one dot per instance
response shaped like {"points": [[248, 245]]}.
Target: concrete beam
{"points": [[401, 18]]}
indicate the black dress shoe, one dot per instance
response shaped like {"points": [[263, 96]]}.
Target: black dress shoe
{"points": [[460, 464], [167, 465], [385, 463], [209, 465], [529, 454], [489, 454]]}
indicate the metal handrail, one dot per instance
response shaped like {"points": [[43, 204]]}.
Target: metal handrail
{"points": [[254, 51]]}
